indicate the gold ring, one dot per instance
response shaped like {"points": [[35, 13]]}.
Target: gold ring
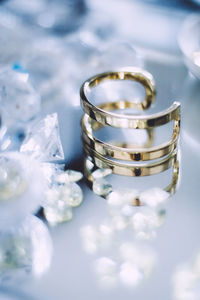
{"points": [[171, 188], [103, 114], [130, 169], [133, 154]]}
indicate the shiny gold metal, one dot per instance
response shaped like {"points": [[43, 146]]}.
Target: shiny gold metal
{"points": [[133, 153], [102, 114], [172, 161], [130, 169]]}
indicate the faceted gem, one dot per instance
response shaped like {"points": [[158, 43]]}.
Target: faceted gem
{"points": [[69, 176], [59, 213], [18, 98], [12, 181], [101, 173], [101, 187], [21, 188], [43, 141], [72, 194], [51, 171], [59, 202]]}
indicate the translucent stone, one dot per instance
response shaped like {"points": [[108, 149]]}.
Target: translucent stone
{"points": [[57, 212], [15, 91], [89, 164], [105, 266], [69, 176], [21, 188], [12, 180], [43, 141], [26, 249], [101, 187], [154, 197], [51, 170], [59, 202], [101, 173], [72, 194], [130, 275]]}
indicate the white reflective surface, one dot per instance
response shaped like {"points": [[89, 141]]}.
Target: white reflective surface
{"points": [[72, 274]]}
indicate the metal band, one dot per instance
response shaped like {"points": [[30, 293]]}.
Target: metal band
{"points": [[103, 114], [124, 153], [171, 188], [127, 169]]}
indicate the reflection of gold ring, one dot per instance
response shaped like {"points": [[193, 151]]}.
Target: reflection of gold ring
{"points": [[103, 114], [172, 162], [134, 153], [130, 169]]}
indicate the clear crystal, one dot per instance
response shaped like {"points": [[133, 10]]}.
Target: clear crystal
{"points": [[72, 194], [154, 197], [58, 211], [59, 202], [89, 164], [51, 171], [69, 176], [43, 141], [101, 173], [25, 249], [12, 181], [101, 187], [20, 179], [16, 91]]}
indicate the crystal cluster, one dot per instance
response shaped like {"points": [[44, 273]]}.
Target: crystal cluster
{"points": [[63, 195], [43, 140]]}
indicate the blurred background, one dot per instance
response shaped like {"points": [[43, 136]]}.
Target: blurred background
{"points": [[59, 44]]}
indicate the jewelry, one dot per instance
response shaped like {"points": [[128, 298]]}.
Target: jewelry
{"points": [[103, 114], [122, 158], [91, 169], [135, 154]]}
